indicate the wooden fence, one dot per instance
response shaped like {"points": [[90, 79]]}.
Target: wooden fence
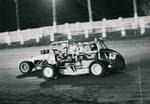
{"points": [[104, 26]]}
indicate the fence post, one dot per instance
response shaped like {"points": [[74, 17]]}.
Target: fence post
{"points": [[8, 39], [136, 21], [41, 32], [142, 26], [68, 31], [90, 25], [52, 36], [123, 33], [21, 37], [37, 37], [77, 26], [86, 32], [104, 28]]}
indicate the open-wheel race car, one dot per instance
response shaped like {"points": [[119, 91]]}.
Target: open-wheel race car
{"points": [[70, 58]]}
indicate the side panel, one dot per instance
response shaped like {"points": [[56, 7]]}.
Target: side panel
{"points": [[113, 58]]}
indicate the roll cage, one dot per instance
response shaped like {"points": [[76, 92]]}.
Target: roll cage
{"points": [[65, 45]]}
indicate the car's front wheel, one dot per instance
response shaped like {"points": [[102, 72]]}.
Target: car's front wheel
{"points": [[48, 72], [26, 67], [97, 68]]}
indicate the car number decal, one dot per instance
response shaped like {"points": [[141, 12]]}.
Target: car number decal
{"points": [[112, 56]]}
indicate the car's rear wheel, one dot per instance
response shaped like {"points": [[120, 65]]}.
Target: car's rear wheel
{"points": [[97, 68], [26, 67], [48, 72]]}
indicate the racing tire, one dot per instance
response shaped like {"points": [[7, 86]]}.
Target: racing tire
{"points": [[48, 72], [97, 68], [26, 67]]}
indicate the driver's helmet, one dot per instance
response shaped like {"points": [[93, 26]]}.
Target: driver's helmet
{"points": [[64, 48], [93, 46], [64, 45]]}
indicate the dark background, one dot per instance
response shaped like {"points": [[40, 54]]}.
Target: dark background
{"points": [[37, 13]]}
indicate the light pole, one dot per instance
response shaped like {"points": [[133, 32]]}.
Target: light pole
{"points": [[135, 8], [135, 12], [17, 15], [90, 12], [18, 22], [54, 16]]}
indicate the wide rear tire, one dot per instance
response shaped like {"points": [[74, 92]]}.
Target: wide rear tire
{"points": [[48, 72], [26, 67], [97, 68]]}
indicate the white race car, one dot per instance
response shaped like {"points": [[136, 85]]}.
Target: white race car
{"points": [[68, 58]]}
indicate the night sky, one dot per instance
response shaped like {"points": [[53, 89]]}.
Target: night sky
{"points": [[37, 13]]}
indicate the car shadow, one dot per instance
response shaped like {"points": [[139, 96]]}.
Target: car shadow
{"points": [[36, 73], [111, 80]]}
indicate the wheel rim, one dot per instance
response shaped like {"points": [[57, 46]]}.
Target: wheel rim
{"points": [[48, 72], [96, 69], [25, 67]]}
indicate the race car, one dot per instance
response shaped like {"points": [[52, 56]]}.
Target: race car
{"points": [[70, 58]]}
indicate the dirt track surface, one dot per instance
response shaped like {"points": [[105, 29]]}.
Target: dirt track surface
{"points": [[119, 88]]}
